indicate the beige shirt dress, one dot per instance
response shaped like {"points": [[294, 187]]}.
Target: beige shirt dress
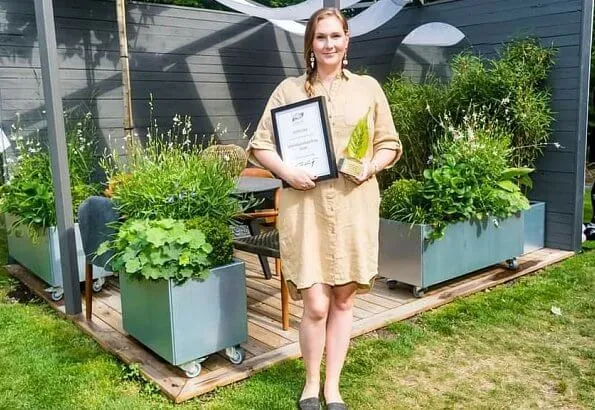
{"points": [[329, 234]]}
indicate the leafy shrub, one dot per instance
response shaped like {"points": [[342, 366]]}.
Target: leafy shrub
{"points": [[159, 249], [29, 193], [171, 180], [511, 90], [409, 103], [218, 235], [468, 178]]}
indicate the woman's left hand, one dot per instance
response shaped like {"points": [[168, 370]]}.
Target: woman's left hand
{"points": [[368, 171]]}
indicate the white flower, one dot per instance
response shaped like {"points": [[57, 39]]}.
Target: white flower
{"points": [[506, 100]]}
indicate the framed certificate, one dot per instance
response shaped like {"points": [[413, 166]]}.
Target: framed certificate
{"points": [[303, 138]]}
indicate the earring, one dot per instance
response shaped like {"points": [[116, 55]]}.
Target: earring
{"points": [[312, 60], [345, 61]]}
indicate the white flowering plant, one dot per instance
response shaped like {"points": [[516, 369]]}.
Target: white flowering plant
{"points": [[168, 188], [467, 177], [511, 89], [28, 191]]}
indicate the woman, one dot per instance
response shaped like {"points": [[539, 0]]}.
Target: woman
{"points": [[329, 230]]}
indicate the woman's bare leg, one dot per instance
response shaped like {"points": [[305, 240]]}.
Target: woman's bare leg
{"points": [[312, 334], [338, 335]]}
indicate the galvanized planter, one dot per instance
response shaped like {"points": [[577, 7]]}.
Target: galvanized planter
{"points": [[534, 227], [407, 257], [186, 323], [42, 258]]}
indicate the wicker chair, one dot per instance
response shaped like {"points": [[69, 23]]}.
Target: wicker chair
{"points": [[231, 157], [264, 241]]}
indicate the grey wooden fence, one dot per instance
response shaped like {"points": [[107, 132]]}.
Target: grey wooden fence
{"points": [[220, 67]]}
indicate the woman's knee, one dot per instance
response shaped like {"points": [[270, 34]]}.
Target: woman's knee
{"points": [[316, 310], [343, 304]]}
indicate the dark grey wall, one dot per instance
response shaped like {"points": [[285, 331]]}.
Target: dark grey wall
{"points": [[220, 68], [217, 67], [487, 24]]}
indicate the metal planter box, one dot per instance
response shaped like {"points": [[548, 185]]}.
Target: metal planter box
{"points": [[190, 321], [42, 258], [407, 257], [534, 227]]}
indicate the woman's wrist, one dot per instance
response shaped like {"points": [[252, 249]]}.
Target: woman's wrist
{"points": [[375, 168]]}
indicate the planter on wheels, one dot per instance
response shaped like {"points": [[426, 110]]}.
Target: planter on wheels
{"points": [[185, 323], [534, 227], [406, 255], [42, 257]]}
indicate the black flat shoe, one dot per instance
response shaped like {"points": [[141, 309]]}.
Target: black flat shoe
{"points": [[311, 403], [336, 406]]}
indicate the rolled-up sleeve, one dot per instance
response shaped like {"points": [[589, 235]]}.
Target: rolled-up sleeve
{"points": [[385, 134], [263, 138]]}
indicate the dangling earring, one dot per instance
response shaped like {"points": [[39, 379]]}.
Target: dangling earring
{"points": [[312, 60], [345, 61]]}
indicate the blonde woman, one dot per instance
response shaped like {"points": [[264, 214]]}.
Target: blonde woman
{"points": [[328, 230]]}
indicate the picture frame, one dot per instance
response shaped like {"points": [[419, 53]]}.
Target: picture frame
{"points": [[303, 137]]}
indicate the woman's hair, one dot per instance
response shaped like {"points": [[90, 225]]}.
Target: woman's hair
{"points": [[309, 39]]}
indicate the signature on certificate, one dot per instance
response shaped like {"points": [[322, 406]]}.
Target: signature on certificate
{"points": [[308, 163]]}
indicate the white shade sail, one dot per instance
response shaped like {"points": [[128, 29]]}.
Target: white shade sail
{"points": [[301, 11], [284, 17], [434, 34]]}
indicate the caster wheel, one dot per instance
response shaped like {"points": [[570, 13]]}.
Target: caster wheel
{"points": [[57, 295], [98, 284], [236, 354], [512, 264], [191, 369], [418, 292], [392, 284]]}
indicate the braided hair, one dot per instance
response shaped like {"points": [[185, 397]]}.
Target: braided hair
{"points": [[309, 40]]}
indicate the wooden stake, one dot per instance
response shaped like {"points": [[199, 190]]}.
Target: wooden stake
{"points": [[124, 63]]}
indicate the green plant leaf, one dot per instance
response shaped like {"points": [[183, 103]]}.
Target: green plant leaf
{"points": [[103, 248], [133, 265], [359, 139], [508, 186], [157, 236]]}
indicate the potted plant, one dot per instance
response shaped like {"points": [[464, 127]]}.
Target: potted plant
{"points": [[27, 200], [183, 295], [463, 215]]}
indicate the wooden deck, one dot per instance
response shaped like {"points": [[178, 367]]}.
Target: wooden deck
{"points": [[268, 344]]}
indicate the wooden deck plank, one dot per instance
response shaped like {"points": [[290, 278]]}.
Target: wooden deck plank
{"points": [[268, 344]]}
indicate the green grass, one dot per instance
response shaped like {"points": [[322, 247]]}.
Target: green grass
{"points": [[502, 348]]}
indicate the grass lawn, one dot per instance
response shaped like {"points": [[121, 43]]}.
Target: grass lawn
{"points": [[502, 348]]}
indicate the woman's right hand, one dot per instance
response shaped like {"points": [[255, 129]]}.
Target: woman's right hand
{"points": [[300, 179]]}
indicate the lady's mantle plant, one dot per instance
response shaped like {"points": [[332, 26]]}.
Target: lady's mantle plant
{"points": [[177, 204], [160, 249]]}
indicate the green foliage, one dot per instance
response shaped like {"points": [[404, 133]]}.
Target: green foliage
{"points": [[513, 90], [171, 180], [218, 235], [359, 139], [468, 178], [402, 201], [510, 90], [28, 194], [159, 249]]}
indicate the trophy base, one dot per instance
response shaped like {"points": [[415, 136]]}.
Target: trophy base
{"points": [[350, 166]]}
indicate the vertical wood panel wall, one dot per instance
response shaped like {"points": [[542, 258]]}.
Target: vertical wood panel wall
{"points": [[220, 67]]}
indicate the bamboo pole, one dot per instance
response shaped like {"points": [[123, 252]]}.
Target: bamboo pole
{"points": [[124, 63]]}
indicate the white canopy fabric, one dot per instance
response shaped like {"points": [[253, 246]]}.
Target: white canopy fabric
{"points": [[284, 17], [434, 34], [301, 11]]}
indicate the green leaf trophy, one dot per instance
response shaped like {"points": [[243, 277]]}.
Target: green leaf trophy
{"points": [[356, 149]]}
